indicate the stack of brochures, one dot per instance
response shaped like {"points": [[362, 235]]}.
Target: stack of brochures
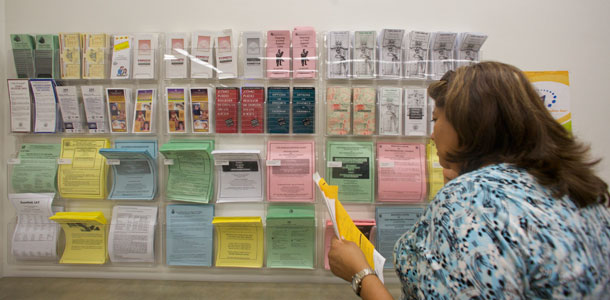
{"points": [[191, 170], [134, 169]]}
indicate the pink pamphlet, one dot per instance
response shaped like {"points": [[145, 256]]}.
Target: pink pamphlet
{"points": [[401, 172], [367, 227], [304, 56], [290, 168], [278, 54]]}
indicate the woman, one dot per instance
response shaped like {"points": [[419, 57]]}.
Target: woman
{"points": [[525, 218]]}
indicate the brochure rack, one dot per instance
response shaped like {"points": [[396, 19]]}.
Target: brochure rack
{"points": [[174, 63]]}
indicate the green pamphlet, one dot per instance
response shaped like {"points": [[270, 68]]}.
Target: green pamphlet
{"points": [[47, 56], [291, 236], [351, 166], [23, 54], [191, 175], [37, 169]]}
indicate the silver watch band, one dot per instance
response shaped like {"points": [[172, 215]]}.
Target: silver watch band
{"points": [[357, 279]]}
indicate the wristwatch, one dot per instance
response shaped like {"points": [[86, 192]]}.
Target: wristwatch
{"points": [[357, 279]]}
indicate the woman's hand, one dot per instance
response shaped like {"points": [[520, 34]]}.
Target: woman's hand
{"points": [[345, 259]]}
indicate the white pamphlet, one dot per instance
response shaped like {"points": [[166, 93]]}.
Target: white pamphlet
{"points": [[390, 110], [95, 110], [338, 59], [390, 55], [226, 55], [45, 105], [416, 116], [132, 234], [365, 54], [416, 54], [145, 50], [469, 45], [240, 177], [175, 55], [20, 104], [71, 112], [252, 42], [121, 57], [441, 55], [430, 111], [202, 64], [35, 236]]}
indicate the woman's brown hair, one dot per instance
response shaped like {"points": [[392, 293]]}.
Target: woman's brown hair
{"points": [[499, 118]]}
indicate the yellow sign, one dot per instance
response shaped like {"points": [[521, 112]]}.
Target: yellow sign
{"points": [[554, 89]]}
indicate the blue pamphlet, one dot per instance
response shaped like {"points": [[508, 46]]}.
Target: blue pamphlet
{"points": [[190, 236], [392, 223], [303, 109], [278, 110], [134, 169]]}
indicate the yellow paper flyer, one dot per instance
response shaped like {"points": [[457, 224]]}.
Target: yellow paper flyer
{"points": [[554, 89], [240, 242], [345, 227], [85, 237], [82, 169], [435, 171]]}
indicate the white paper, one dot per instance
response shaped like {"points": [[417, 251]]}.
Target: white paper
{"points": [[21, 105], [379, 261], [241, 180], [145, 49], [334, 164], [35, 236], [416, 112], [202, 64], [132, 234], [71, 111], [45, 105], [226, 56], [390, 53], [339, 54], [93, 99], [441, 54], [121, 57], [252, 42], [390, 111], [365, 54], [176, 55], [416, 54], [469, 45]]}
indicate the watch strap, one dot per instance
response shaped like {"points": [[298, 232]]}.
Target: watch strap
{"points": [[357, 279]]}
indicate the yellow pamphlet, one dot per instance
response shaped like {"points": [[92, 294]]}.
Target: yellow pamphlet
{"points": [[345, 227], [82, 169], [435, 171], [240, 242], [69, 55], [85, 237]]}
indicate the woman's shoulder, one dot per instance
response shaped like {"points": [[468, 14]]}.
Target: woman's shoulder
{"points": [[502, 184]]}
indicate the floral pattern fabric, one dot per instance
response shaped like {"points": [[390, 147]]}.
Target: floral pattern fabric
{"points": [[495, 233]]}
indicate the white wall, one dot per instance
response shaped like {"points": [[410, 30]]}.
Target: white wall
{"points": [[533, 35]]}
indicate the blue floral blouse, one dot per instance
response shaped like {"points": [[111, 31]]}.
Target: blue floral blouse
{"points": [[495, 233]]}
